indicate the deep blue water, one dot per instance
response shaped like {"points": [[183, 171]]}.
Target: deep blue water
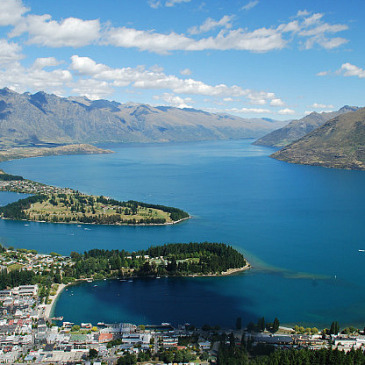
{"points": [[300, 226]]}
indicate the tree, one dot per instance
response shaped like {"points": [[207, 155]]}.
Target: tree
{"points": [[261, 324], [251, 327], [75, 328], [335, 328], [93, 353], [276, 324], [127, 359]]}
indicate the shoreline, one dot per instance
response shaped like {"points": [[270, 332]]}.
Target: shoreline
{"points": [[95, 224], [49, 308]]}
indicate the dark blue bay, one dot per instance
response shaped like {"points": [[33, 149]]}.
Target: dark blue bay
{"points": [[300, 226]]}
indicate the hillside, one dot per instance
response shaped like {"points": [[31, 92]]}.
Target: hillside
{"points": [[339, 143], [34, 120], [299, 128]]}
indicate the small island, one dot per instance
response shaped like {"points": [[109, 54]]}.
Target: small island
{"points": [[65, 205]]}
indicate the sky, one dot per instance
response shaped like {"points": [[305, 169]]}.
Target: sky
{"points": [[277, 59]]}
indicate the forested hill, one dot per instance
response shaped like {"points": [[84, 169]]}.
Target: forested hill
{"points": [[179, 259]]}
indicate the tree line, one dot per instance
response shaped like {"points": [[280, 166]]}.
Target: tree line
{"points": [[238, 355], [177, 259], [8, 177], [16, 210]]}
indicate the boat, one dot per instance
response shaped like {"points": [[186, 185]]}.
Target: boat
{"points": [[57, 319], [361, 250]]}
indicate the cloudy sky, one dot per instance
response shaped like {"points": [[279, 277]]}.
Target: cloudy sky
{"points": [[253, 58]]}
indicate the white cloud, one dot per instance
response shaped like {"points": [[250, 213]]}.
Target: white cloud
{"points": [[260, 40], [309, 30], [87, 66], [70, 32], [92, 89], [321, 106], [154, 4], [9, 52], [22, 79], [145, 40], [170, 3], [250, 5], [317, 111], [301, 13], [11, 12], [142, 78], [286, 111], [40, 63], [323, 73], [347, 69], [209, 24], [319, 32], [174, 100], [186, 72], [277, 102], [250, 110]]}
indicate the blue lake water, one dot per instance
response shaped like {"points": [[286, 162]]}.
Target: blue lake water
{"points": [[300, 226]]}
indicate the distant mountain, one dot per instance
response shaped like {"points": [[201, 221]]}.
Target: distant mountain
{"points": [[339, 143], [46, 120], [299, 128]]}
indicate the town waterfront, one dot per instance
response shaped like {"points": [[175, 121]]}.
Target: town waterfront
{"points": [[301, 228]]}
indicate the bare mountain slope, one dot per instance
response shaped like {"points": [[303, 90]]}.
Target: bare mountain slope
{"points": [[339, 143], [299, 128], [41, 119]]}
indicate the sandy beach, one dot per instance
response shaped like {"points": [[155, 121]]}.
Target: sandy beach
{"points": [[239, 269], [48, 307]]}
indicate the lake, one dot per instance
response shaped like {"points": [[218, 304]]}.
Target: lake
{"points": [[299, 226]]}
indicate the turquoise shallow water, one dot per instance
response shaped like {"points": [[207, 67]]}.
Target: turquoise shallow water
{"points": [[300, 226]]}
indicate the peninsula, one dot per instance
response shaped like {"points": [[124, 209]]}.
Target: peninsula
{"points": [[70, 149], [27, 267], [64, 205]]}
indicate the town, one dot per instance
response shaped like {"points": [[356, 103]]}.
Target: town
{"points": [[29, 333]]}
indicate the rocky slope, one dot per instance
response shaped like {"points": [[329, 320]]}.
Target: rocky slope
{"points": [[44, 120], [339, 143], [299, 128]]}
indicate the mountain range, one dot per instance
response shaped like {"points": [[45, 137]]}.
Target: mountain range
{"points": [[41, 119], [299, 128], [339, 143]]}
